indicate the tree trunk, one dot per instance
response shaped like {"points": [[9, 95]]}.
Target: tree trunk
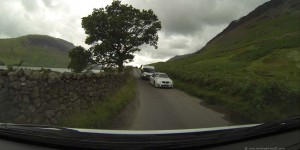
{"points": [[120, 67]]}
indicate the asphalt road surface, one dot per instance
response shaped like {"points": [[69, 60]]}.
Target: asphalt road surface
{"points": [[164, 109]]}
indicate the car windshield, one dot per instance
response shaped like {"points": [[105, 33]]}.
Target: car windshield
{"points": [[92, 64], [162, 76], [149, 70]]}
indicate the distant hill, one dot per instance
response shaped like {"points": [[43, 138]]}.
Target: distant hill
{"points": [[252, 64], [35, 50]]}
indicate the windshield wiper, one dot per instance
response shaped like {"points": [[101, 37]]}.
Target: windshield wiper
{"points": [[70, 138]]}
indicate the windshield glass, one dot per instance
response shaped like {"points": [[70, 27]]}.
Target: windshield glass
{"points": [[149, 70], [162, 76], [87, 64]]}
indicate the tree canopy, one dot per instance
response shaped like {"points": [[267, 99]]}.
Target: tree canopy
{"points": [[80, 58], [116, 32]]}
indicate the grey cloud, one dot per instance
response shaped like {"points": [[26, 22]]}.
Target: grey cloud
{"points": [[187, 24], [188, 16]]}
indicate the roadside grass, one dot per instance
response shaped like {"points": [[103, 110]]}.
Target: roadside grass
{"points": [[99, 115]]}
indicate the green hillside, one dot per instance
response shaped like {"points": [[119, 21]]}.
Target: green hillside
{"points": [[35, 50], [252, 67]]}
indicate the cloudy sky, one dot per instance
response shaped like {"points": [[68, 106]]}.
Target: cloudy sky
{"points": [[187, 25]]}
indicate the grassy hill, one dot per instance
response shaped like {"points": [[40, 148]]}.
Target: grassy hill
{"points": [[35, 50], [252, 67]]}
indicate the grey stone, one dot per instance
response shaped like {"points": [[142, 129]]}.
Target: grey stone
{"points": [[1, 81], [50, 113], [35, 75], [36, 102], [53, 104], [19, 71], [31, 109], [25, 90], [47, 97], [16, 85], [36, 121], [23, 105], [53, 121], [12, 76], [23, 78], [66, 75], [20, 119], [89, 89], [35, 92], [90, 75], [3, 94], [17, 99], [27, 72], [26, 99], [63, 107], [53, 78], [14, 111]]}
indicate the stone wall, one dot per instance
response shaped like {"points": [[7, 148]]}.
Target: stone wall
{"points": [[44, 97]]}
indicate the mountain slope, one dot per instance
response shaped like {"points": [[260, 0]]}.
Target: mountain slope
{"points": [[35, 50], [252, 66]]}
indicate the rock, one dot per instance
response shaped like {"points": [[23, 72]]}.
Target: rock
{"points": [[3, 94], [31, 109], [13, 76], [53, 121], [35, 92], [63, 107], [53, 104], [98, 75], [36, 102], [20, 119], [73, 97], [35, 75], [26, 99], [50, 113], [14, 111], [58, 115], [23, 78], [25, 90], [27, 72], [36, 121], [53, 78], [17, 99], [90, 75], [16, 85], [47, 97], [19, 71], [89, 89], [62, 93], [66, 75], [1, 81], [23, 105]]}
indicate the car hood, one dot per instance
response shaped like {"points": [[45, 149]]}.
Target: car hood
{"points": [[164, 79]]}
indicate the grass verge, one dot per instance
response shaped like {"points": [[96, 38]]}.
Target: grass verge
{"points": [[99, 115]]}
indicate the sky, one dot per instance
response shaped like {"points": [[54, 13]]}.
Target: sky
{"points": [[187, 25]]}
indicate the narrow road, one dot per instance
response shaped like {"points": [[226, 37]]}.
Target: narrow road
{"points": [[163, 109]]}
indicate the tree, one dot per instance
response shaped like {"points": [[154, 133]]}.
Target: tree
{"points": [[80, 58], [116, 32]]}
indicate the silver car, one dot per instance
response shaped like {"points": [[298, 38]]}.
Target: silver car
{"points": [[161, 80]]}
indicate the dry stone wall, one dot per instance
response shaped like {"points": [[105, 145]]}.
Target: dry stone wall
{"points": [[44, 97]]}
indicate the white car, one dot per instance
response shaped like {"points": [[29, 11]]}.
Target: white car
{"points": [[161, 80]]}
